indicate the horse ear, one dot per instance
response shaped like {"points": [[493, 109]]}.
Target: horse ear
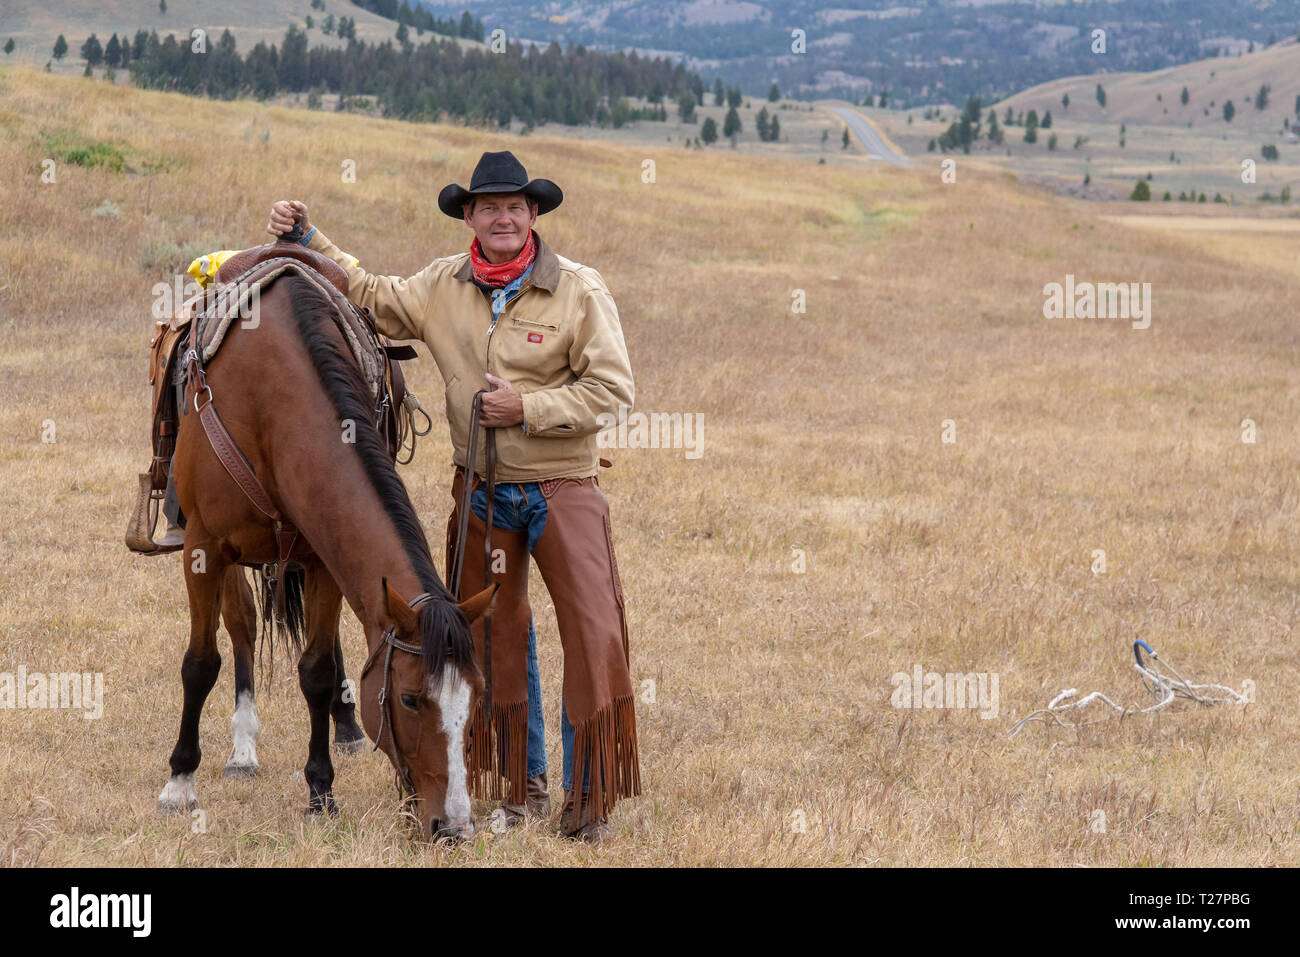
{"points": [[480, 604], [399, 609]]}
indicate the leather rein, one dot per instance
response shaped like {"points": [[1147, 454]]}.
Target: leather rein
{"points": [[462, 526]]}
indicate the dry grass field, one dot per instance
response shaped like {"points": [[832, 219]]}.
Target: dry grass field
{"points": [[822, 452]]}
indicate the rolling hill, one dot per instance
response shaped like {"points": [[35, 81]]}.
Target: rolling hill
{"points": [[35, 26], [1153, 99]]}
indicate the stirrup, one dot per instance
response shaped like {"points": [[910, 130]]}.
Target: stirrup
{"points": [[139, 529]]}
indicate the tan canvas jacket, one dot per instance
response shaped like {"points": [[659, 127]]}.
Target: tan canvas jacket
{"points": [[557, 340]]}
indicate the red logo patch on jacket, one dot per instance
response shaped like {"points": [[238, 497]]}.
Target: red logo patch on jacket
{"points": [[534, 337]]}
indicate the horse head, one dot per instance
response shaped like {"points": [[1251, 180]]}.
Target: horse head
{"points": [[418, 691]]}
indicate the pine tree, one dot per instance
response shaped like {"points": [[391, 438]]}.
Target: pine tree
{"points": [[1065, 101], [995, 134], [731, 124], [9, 46], [774, 93], [1101, 97], [709, 131], [91, 51], [719, 95], [60, 48], [1184, 96], [845, 138], [686, 107], [1229, 111]]}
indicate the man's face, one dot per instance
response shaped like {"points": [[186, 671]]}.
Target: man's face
{"points": [[501, 222]]}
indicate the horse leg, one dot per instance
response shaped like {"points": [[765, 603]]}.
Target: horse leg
{"points": [[204, 573], [239, 614], [317, 677], [348, 736]]}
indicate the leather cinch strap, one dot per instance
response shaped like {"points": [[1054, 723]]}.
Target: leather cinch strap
{"points": [[238, 467]]}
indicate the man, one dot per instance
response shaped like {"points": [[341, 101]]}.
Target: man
{"points": [[542, 332]]}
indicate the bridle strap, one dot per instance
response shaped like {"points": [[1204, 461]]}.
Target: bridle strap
{"points": [[388, 644]]}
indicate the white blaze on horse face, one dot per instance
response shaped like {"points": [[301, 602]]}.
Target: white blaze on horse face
{"points": [[244, 731], [453, 706], [179, 793]]}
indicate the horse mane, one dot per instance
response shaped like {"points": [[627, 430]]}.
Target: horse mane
{"points": [[444, 630]]}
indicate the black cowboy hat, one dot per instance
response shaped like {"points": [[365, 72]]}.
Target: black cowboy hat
{"points": [[500, 173]]}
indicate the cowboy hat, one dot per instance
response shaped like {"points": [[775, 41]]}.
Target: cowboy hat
{"points": [[500, 173]]}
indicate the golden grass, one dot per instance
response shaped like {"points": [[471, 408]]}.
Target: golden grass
{"points": [[822, 433]]}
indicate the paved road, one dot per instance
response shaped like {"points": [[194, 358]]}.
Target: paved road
{"points": [[865, 132]]}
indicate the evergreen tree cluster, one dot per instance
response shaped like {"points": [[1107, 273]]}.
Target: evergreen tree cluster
{"points": [[422, 19], [424, 82]]}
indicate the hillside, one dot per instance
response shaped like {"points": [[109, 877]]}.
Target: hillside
{"points": [[1143, 131], [826, 538], [35, 26], [1153, 99]]}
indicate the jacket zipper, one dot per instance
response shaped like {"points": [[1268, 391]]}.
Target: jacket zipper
{"points": [[487, 359]]}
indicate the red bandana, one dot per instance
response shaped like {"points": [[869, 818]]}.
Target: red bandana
{"points": [[499, 274]]}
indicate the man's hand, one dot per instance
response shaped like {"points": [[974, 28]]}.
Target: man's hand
{"points": [[284, 214], [503, 406]]}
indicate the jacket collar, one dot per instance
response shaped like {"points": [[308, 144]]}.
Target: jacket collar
{"points": [[546, 268]]}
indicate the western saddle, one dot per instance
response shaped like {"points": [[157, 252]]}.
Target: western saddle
{"points": [[196, 330]]}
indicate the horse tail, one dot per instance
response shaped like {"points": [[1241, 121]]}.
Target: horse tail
{"points": [[291, 630]]}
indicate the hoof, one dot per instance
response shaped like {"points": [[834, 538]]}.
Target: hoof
{"points": [[349, 747], [322, 804], [178, 795], [241, 771]]}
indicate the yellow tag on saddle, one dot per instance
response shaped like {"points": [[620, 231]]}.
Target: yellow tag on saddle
{"points": [[204, 269]]}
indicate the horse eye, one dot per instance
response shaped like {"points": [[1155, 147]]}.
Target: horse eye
{"points": [[411, 702]]}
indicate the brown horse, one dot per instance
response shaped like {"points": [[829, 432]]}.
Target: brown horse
{"points": [[293, 400]]}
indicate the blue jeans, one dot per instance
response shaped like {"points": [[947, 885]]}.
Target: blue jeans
{"points": [[518, 507]]}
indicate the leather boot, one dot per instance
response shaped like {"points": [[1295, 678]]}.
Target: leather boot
{"points": [[585, 829], [173, 538], [537, 803]]}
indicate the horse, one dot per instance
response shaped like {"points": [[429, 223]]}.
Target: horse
{"points": [[296, 408]]}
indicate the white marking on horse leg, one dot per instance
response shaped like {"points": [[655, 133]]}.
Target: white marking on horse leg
{"points": [[244, 731], [453, 705], [179, 794]]}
